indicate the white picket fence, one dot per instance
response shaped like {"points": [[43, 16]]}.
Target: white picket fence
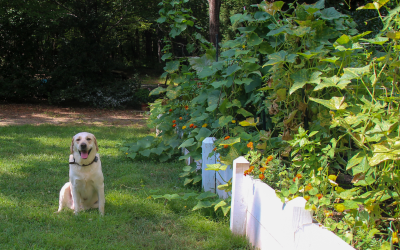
{"points": [[259, 214]]}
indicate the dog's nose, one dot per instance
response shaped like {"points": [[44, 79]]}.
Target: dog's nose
{"points": [[83, 146]]}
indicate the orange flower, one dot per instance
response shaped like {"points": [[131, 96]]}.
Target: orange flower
{"points": [[294, 179], [170, 110], [308, 187], [269, 158], [194, 126], [307, 197], [180, 118], [319, 196], [261, 176], [191, 125], [226, 146], [262, 170], [173, 121], [174, 125], [186, 107], [250, 145], [248, 171], [227, 137], [215, 149], [298, 176], [328, 213]]}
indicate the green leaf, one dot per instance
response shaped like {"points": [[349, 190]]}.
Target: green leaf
{"points": [[331, 13], [362, 167], [246, 29], [197, 179], [145, 152], [350, 204], [248, 122], [187, 143], [166, 56], [202, 204], [187, 181], [230, 141], [203, 133], [244, 112], [226, 209], [219, 204], [186, 196], [355, 73], [173, 93], [276, 58], [212, 107], [206, 195], [219, 84], [300, 79], [161, 19], [157, 151], [224, 120], [216, 167], [251, 67], [313, 191], [281, 93], [254, 40], [356, 159], [243, 80], [158, 91], [266, 48], [293, 188], [335, 103], [234, 103], [330, 59], [232, 69], [172, 66], [171, 196], [132, 155], [164, 157]]}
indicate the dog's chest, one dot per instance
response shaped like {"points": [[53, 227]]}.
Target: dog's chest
{"points": [[84, 177]]}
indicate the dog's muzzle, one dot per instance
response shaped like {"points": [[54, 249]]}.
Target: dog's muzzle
{"points": [[84, 152]]}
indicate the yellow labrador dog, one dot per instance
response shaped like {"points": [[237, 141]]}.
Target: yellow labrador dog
{"points": [[85, 188]]}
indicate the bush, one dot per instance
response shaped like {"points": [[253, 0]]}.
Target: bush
{"points": [[331, 108]]}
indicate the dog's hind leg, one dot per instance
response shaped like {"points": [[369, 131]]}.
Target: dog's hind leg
{"points": [[66, 197]]}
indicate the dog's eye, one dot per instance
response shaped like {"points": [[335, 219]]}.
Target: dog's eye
{"points": [[78, 139], [88, 139]]}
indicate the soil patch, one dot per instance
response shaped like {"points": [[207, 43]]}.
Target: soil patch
{"points": [[20, 114]]}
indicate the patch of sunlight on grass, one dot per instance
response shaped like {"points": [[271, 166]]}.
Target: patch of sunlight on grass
{"points": [[6, 201]]}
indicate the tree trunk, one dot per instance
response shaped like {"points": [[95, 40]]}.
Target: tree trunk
{"points": [[214, 9]]}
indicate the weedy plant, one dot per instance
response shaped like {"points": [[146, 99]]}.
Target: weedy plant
{"points": [[311, 103]]}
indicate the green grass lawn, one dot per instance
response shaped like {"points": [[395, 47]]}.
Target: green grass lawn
{"points": [[34, 167]]}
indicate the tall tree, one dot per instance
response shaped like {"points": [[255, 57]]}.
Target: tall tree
{"points": [[214, 9]]}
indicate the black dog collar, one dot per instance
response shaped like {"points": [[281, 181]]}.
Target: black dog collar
{"points": [[84, 165]]}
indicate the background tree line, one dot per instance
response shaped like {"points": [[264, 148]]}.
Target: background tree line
{"points": [[88, 51]]}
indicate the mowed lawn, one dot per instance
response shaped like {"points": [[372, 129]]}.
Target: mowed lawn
{"points": [[34, 167]]}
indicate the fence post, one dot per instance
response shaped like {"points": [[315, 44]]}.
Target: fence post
{"points": [[208, 176], [239, 193]]}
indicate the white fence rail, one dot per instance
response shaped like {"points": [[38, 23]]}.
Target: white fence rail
{"points": [[268, 223], [259, 214]]}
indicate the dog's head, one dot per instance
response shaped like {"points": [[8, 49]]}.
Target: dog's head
{"points": [[84, 146]]}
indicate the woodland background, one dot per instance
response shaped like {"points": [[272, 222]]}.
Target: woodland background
{"points": [[93, 52]]}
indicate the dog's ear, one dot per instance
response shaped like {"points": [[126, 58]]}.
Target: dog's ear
{"points": [[95, 143], [72, 145]]}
